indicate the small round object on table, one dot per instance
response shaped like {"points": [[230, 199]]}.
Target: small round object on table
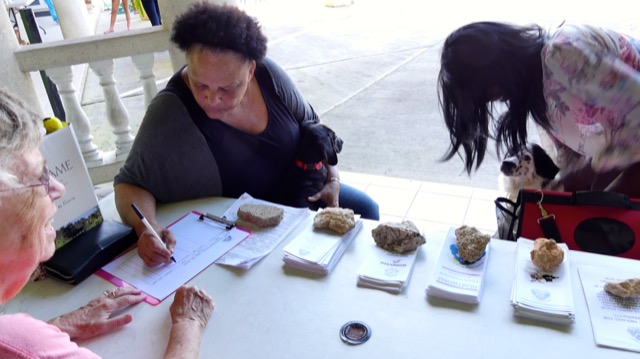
{"points": [[355, 332]]}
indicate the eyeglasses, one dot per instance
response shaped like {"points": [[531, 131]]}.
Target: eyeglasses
{"points": [[44, 180]]}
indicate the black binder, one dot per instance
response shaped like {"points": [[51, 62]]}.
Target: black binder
{"points": [[90, 251]]}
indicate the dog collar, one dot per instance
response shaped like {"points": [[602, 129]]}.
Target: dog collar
{"points": [[309, 166]]}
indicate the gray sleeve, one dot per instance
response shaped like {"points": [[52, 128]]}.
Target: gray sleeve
{"points": [[289, 93], [170, 158]]}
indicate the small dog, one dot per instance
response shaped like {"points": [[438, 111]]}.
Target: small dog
{"points": [[532, 168], [308, 175]]}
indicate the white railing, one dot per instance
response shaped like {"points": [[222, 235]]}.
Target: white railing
{"points": [[99, 51]]}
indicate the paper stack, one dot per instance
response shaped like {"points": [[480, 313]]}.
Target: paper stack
{"points": [[614, 319], [317, 251], [542, 295], [455, 279], [262, 240], [385, 270]]}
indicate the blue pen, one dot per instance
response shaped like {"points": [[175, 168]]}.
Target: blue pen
{"points": [[149, 228]]}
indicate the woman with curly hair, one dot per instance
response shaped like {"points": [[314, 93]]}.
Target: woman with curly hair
{"points": [[580, 84], [226, 123]]}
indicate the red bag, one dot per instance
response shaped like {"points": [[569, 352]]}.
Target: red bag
{"points": [[592, 221]]}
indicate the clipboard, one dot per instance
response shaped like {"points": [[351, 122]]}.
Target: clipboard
{"points": [[200, 242]]}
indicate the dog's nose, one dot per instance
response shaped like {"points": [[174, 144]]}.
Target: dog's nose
{"points": [[507, 167]]}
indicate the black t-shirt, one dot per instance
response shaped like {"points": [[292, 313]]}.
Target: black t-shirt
{"points": [[249, 163]]}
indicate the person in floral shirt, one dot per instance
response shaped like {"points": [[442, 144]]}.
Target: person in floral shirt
{"points": [[581, 84]]}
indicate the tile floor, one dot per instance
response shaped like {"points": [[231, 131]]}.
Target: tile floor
{"points": [[428, 204]]}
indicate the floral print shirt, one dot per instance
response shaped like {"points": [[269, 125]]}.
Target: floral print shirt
{"points": [[592, 89]]}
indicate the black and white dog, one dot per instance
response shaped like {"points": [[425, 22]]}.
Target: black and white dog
{"points": [[308, 175], [532, 168]]}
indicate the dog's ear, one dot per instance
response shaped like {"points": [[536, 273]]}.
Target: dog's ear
{"points": [[332, 146], [545, 166]]}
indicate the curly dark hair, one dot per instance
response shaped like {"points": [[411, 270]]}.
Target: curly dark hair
{"points": [[482, 63], [219, 27]]}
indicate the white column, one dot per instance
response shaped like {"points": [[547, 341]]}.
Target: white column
{"points": [[117, 113], [63, 78], [144, 64], [73, 18]]}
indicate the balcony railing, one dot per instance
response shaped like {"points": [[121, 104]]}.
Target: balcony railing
{"points": [[57, 58]]}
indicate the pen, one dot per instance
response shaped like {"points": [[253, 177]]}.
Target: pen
{"points": [[229, 224], [149, 228]]}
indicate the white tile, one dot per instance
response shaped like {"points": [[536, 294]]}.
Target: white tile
{"points": [[482, 215], [487, 194], [396, 182], [392, 201], [438, 207], [448, 189]]}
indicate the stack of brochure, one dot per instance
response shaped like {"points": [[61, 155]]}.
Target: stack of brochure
{"points": [[455, 279], [542, 295], [318, 250], [386, 270]]}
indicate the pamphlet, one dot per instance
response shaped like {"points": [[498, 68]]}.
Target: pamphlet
{"points": [[542, 295], [615, 320], [455, 279], [386, 270]]}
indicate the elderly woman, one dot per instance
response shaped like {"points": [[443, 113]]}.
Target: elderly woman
{"points": [[227, 123], [27, 239]]}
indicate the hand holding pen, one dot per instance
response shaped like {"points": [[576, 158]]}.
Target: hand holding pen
{"points": [[150, 252]]}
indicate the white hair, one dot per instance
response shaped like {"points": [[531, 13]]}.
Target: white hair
{"points": [[21, 130]]}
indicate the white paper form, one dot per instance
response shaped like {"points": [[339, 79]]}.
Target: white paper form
{"points": [[263, 240], [199, 243], [615, 321]]}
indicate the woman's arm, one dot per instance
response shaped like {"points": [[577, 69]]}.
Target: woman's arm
{"points": [[152, 251], [190, 313]]}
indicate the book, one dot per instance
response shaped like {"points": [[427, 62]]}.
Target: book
{"points": [[318, 250], [541, 295], [455, 279], [78, 209], [385, 270]]}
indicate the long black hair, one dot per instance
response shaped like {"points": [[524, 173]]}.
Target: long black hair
{"points": [[481, 63]]}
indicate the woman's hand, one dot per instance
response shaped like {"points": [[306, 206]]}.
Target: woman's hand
{"points": [[191, 305], [330, 194], [154, 252], [95, 318]]}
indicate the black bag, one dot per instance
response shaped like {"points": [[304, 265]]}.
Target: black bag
{"points": [[93, 249], [591, 221]]}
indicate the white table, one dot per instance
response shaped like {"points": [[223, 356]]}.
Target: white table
{"points": [[269, 312]]}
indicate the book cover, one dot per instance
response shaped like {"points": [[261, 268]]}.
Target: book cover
{"points": [[78, 209]]}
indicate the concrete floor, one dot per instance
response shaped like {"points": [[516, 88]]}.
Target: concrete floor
{"points": [[369, 69]]}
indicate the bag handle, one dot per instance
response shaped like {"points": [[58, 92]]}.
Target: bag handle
{"points": [[601, 198]]}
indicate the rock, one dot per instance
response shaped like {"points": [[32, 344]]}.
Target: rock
{"points": [[261, 215], [338, 219], [471, 243], [398, 237], [625, 289], [546, 254]]}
